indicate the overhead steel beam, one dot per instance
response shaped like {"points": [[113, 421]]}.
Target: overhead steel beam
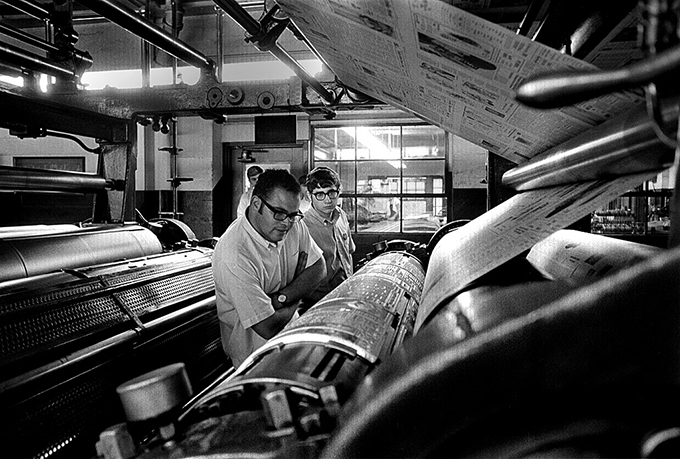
{"points": [[39, 112]]}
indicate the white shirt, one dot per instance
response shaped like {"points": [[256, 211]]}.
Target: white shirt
{"points": [[247, 268], [335, 239], [244, 202]]}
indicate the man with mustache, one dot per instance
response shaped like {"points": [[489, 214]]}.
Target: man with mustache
{"points": [[263, 265]]}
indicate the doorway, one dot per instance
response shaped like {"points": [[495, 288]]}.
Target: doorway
{"points": [[292, 157]]}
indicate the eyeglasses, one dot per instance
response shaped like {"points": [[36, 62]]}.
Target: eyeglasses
{"points": [[321, 195], [280, 215]]}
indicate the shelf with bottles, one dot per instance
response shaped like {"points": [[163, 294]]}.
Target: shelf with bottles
{"points": [[614, 221], [641, 211]]}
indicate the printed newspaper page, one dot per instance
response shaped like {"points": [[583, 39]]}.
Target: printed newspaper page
{"points": [[575, 256], [507, 230], [449, 67]]}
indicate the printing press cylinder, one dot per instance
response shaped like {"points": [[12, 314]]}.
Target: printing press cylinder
{"points": [[563, 353], [284, 399]]}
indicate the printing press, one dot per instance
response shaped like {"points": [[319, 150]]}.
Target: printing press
{"points": [[565, 346], [350, 370]]}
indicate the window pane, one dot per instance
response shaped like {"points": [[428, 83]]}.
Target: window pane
{"points": [[438, 185], [372, 216], [378, 177], [349, 206], [378, 142], [334, 144], [377, 165], [423, 142], [346, 172], [423, 214], [423, 176]]}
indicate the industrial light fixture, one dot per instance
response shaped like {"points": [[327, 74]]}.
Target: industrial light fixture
{"points": [[243, 71], [377, 149]]}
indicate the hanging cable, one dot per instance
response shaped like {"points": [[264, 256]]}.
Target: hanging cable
{"points": [[82, 145]]}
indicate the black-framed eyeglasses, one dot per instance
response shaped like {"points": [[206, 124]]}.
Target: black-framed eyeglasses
{"points": [[280, 215], [321, 195]]}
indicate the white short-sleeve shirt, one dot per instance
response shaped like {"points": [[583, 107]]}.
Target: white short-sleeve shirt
{"points": [[247, 268], [334, 238]]}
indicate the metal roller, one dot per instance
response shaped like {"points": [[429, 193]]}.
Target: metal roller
{"points": [[23, 178], [538, 369], [23, 255], [283, 400], [130, 21], [625, 145], [358, 315]]}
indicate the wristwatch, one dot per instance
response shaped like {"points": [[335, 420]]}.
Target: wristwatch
{"points": [[282, 298]]}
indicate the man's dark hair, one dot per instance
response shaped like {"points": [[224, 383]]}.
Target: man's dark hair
{"points": [[276, 178], [254, 170], [322, 177]]}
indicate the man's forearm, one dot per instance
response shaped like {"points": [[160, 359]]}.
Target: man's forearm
{"points": [[306, 282], [273, 324]]}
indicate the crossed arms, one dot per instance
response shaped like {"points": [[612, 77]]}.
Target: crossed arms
{"points": [[304, 282]]}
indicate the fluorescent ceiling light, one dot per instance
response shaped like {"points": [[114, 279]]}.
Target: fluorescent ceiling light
{"points": [[377, 149], [266, 70], [15, 81], [126, 79], [245, 71]]}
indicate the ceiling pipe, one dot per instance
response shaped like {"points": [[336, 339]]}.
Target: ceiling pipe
{"points": [[253, 28], [28, 39], [530, 16], [219, 38], [33, 9], [133, 23], [31, 62], [23, 178]]}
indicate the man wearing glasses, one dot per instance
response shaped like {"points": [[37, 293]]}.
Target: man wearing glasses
{"points": [[263, 265], [330, 229]]}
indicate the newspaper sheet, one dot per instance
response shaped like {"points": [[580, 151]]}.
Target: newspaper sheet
{"points": [[506, 231], [449, 67], [575, 256]]}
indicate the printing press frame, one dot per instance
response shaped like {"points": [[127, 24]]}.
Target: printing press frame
{"points": [[70, 337]]}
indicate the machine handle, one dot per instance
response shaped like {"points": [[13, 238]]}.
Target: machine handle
{"points": [[557, 89]]}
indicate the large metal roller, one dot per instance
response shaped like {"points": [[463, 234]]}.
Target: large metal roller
{"points": [[625, 145], [530, 370], [25, 254], [284, 399], [24, 178]]}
